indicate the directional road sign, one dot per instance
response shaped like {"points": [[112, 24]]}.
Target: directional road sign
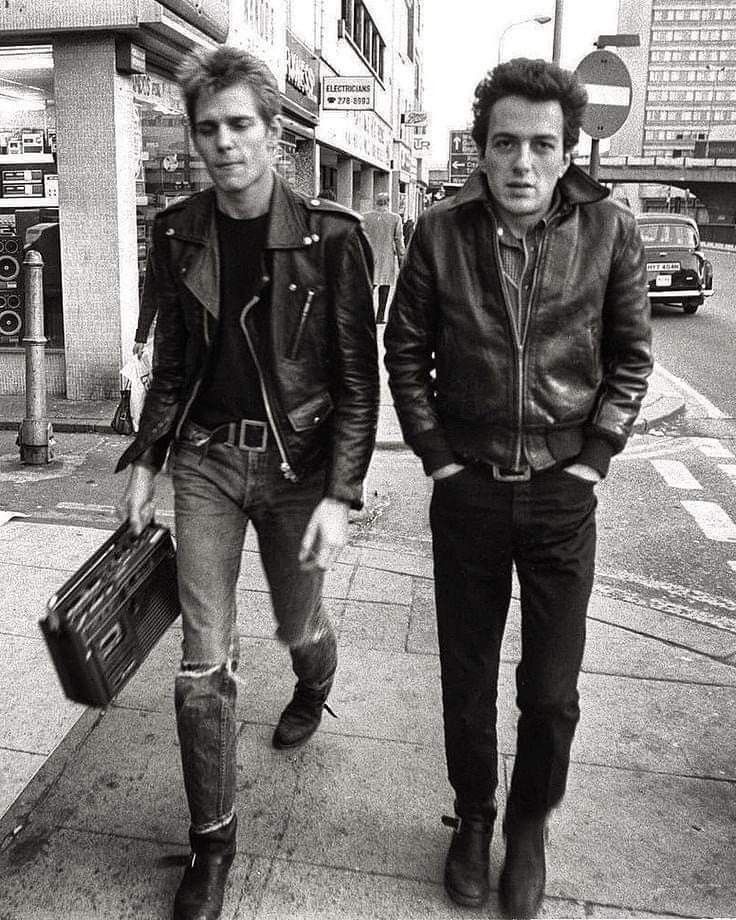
{"points": [[463, 156], [608, 84]]}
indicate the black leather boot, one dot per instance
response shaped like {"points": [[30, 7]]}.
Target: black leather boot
{"points": [[301, 718], [466, 867], [314, 665], [201, 891], [521, 889]]}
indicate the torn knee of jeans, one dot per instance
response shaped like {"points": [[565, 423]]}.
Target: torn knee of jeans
{"points": [[204, 668]]}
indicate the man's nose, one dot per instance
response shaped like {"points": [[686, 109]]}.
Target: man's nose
{"points": [[523, 159], [224, 137]]}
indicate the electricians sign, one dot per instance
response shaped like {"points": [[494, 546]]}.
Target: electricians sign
{"points": [[344, 94]]}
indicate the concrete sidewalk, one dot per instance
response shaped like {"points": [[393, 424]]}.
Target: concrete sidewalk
{"points": [[349, 827]]}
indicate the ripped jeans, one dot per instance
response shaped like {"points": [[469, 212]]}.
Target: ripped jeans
{"points": [[215, 498]]}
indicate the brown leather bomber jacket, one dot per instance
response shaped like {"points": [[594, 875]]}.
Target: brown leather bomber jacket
{"points": [[318, 363], [468, 384]]}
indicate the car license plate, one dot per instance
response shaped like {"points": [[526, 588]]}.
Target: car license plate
{"points": [[663, 281], [663, 266]]}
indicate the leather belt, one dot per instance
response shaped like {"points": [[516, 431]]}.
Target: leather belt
{"points": [[245, 434]]}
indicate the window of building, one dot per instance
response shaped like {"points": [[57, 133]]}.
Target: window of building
{"points": [[363, 34], [410, 29], [29, 189]]}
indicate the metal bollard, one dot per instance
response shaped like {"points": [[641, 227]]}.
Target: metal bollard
{"points": [[35, 436]]}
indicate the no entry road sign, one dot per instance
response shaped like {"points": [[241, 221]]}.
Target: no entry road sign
{"points": [[608, 84]]}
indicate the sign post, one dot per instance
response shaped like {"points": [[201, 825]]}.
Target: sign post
{"points": [[608, 84]]}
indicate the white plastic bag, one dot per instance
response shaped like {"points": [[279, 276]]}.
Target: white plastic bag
{"points": [[136, 377]]}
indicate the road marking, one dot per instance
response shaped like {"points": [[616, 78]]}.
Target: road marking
{"points": [[712, 410], [711, 447], [732, 565], [102, 509], [729, 469], [712, 520], [676, 474]]}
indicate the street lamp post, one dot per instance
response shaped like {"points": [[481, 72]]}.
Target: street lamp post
{"points": [[717, 71], [540, 20]]}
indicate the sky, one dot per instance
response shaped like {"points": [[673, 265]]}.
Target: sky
{"points": [[461, 43]]}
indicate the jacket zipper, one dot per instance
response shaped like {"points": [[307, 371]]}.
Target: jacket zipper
{"points": [[519, 349], [286, 468], [302, 323]]}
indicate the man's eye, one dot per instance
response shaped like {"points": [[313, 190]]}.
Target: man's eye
{"points": [[241, 124], [502, 143], [205, 130]]}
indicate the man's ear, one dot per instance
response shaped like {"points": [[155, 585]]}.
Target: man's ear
{"points": [[566, 160]]}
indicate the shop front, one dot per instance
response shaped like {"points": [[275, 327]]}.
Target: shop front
{"points": [[93, 142], [355, 156], [300, 113]]}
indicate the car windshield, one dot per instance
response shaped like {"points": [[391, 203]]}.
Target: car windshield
{"points": [[668, 235]]}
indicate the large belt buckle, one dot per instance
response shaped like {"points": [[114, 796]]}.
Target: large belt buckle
{"points": [[502, 474], [247, 429]]}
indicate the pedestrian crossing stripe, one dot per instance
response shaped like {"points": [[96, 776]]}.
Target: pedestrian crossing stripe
{"points": [[676, 474], [711, 447], [712, 520]]}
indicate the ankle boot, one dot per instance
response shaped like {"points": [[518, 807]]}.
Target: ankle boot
{"points": [[202, 888], [466, 867], [301, 718], [523, 877]]}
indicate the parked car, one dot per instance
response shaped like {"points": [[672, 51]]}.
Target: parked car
{"points": [[677, 271]]}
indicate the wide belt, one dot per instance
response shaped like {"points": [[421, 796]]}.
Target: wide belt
{"points": [[245, 434]]}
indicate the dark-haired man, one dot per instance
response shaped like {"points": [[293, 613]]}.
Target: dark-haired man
{"points": [[518, 349], [265, 388]]}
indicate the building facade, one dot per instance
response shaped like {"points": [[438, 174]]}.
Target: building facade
{"points": [[94, 142]]}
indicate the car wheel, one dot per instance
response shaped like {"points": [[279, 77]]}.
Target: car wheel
{"points": [[691, 306]]}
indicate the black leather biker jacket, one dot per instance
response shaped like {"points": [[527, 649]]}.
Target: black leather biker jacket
{"points": [[317, 364]]}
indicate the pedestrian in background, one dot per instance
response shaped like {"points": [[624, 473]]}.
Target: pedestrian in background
{"points": [[265, 388], [385, 233], [518, 351], [408, 230]]}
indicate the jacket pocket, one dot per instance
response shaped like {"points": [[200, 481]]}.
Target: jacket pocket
{"points": [[311, 413], [304, 298]]}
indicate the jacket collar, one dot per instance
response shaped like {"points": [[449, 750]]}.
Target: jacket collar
{"points": [[287, 224], [576, 187]]}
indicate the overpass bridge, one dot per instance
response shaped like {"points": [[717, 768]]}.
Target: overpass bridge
{"points": [[711, 179]]}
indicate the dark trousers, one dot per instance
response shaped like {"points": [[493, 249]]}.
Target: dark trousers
{"points": [[546, 527], [383, 290]]}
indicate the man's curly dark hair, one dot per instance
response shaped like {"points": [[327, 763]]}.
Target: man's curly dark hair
{"points": [[538, 80]]}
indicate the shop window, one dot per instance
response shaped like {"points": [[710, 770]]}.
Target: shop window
{"points": [[167, 165], [360, 29], [29, 189]]}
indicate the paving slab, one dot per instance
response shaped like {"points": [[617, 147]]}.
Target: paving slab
{"points": [[394, 559], [380, 586], [72, 875], [139, 791], [645, 842], [307, 892], [23, 597], [372, 806], [644, 620], [374, 626], [35, 713], [59, 547], [653, 725], [617, 650], [17, 769]]}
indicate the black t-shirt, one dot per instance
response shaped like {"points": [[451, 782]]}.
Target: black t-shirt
{"points": [[231, 389]]}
